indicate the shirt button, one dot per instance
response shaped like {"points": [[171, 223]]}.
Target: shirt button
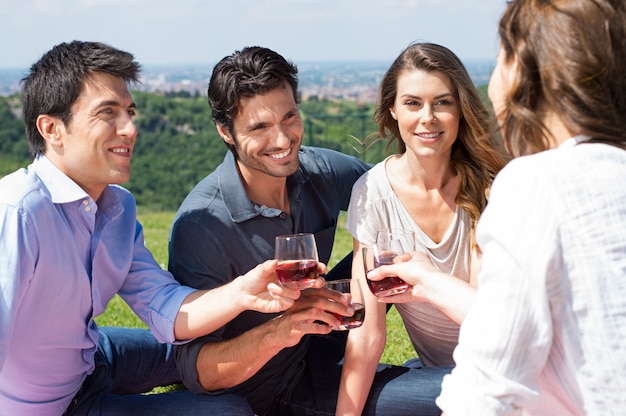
{"points": [[87, 209], [85, 201], [283, 215]]}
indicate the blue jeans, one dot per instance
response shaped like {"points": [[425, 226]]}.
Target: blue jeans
{"points": [[130, 362], [396, 390]]}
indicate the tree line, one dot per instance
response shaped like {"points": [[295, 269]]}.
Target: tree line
{"points": [[178, 144]]}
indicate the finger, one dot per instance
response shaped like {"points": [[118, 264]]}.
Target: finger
{"points": [[379, 273], [280, 304], [311, 319], [322, 308], [267, 269], [326, 319], [333, 308], [317, 327], [400, 298], [401, 258], [336, 296], [319, 282], [279, 291], [327, 294], [270, 265]]}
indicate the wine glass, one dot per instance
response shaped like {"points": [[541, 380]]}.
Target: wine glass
{"points": [[392, 246], [352, 288], [297, 260], [406, 238]]}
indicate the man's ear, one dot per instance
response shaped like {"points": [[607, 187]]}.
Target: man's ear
{"points": [[51, 129], [224, 133]]}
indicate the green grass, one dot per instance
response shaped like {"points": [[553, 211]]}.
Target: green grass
{"points": [[156, 229]]}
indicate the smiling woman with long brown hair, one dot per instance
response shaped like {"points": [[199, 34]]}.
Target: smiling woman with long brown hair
{"points": [[436, 187], [545, 333]]}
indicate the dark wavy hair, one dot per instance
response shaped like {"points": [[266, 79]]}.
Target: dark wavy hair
{"points": [[476, 155], [57, 79], [571, 60], [252, 71]]}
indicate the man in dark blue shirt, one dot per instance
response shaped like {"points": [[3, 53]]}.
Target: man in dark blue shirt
{"points": [[268, 185]]}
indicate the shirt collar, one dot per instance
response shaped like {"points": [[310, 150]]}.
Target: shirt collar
{"points": [[573, 141], [240, 207], [233, 192], [62, 189]]}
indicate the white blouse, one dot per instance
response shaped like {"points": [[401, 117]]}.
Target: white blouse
{"points": [[547, 331]]}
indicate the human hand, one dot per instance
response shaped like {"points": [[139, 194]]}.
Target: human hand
{"points": [[262, 292], [315, 312], [415, 273]]}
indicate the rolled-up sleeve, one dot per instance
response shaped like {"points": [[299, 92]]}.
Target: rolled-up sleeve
{"points": [[153, 293], [186, 358]]}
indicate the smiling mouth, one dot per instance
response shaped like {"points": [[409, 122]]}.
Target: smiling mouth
{"points": [[122, 151], [429, 135], [281, 155]]}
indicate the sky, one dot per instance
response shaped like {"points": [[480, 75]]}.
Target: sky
{"points": [[180, 32]]}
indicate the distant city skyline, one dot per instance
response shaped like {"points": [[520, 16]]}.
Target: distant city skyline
{"points": [[167, 32], [352, 80]]}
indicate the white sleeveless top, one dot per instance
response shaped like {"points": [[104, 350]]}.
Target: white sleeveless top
{"points": [[374, 206]]}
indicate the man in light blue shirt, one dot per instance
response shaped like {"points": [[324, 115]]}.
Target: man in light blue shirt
{"points": [[70, 241]]}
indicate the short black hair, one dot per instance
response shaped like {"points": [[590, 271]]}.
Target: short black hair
{"points": [[56, 80], [254, 70]]}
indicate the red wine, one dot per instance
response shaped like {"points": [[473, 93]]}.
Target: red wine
{"points": [[297, 274], [354, 321], [390, 285]]}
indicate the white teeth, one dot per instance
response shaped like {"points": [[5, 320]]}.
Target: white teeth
{"points": [[118, 150], [281, 155], [429, 135]]}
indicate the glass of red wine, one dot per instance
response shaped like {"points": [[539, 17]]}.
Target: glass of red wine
{"points": [[392, 246], [352, 288], [297, 260]]}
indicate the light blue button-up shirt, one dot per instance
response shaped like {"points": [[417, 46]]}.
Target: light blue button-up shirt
{"points": [[62, 258]]}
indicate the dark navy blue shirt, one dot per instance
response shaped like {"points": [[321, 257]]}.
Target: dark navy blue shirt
{"points": [[219, 234]]}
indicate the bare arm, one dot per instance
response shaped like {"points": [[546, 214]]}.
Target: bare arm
{"points": [[364, 348], [204, 311], [225, 364]]}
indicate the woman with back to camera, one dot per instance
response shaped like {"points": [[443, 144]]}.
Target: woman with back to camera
{"points": [[546, 333], [436, 186]]}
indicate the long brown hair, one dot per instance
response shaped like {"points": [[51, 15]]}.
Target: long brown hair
{"points": [[571, 57], [476, 156]]}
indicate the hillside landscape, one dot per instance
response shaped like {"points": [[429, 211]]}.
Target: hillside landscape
{"points": [[178, 144]]}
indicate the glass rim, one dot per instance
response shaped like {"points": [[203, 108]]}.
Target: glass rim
{"points": [[287, 236]]}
